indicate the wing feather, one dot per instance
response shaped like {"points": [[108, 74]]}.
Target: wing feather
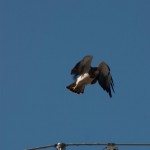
{"points": [[104, 78], [82, 66]]}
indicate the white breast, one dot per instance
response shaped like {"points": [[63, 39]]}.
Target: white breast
{"points": [[84, 79]]}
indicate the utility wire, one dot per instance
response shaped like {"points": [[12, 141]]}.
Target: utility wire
{"points": [[42, 147], [90, 144]]}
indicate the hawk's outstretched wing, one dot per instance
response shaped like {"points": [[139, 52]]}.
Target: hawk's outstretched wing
{"points": [[82, 66], [104, 77]]}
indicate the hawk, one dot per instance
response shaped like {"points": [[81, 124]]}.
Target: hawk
{"points": [[84, 74]]}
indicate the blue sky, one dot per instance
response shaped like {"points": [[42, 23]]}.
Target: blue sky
{"points": [[40, 43]]}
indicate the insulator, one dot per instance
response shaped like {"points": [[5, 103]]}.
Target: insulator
{"points": [[112, 146], [61, 146]]}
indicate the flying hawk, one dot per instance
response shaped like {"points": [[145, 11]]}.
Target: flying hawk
{"points": [[85, 74]]}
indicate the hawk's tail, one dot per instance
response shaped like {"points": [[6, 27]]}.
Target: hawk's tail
{"points": [[78, 89]]}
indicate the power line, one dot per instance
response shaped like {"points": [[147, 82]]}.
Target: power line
{"points": [[42, 147], [112, 146]]}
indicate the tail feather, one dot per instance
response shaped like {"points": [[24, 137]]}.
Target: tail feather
{"points": [[71, 86], [78, 89]]}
